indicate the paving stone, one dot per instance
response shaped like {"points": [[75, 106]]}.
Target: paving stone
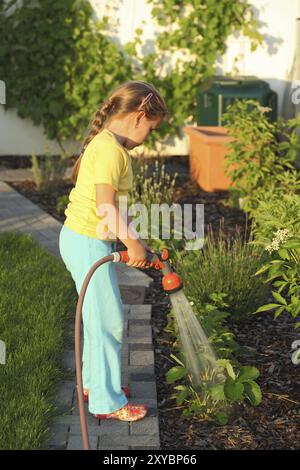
{"points": [[93, 429], [143, 340], [137, 440], [75, 442], [126, 308], [114, 427], [145, 369], [64, 396], [143, 389], [142, 316], [58, 435], [132, 294], [136, 377], [73, 420], [139, 329], [114, 448], [147, 426], [143, 448], [139, 358], [69, 361], [135, 346], [124, 377], [140, 309]]}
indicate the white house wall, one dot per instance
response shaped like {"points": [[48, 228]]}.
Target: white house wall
{"points": [[273, 62]]}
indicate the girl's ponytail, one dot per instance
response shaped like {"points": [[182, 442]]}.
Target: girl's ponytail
{"points": [[97, 124]]}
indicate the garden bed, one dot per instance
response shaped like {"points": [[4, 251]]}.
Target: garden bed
{"points": [[275, 423], [186, 192]]}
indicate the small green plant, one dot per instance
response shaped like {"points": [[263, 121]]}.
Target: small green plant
{"points": [[224, 265], [61, 203], [262, 156], [48, 171], [222, 386], [156, 188], [213, 398], [285, 268], [152, 189], [273, 213]]}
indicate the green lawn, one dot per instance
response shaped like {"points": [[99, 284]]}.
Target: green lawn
{"points": [[37, 298]]}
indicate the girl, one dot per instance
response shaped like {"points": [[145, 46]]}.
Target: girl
{"points": [[101, 174]]}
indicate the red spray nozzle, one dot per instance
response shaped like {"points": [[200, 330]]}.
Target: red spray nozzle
{"points": [[171, 282]]}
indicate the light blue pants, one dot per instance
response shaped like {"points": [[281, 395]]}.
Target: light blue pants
{"points": [[103, 319]]}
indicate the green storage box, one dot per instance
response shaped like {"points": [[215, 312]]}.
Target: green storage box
{"points": [[219, 92]]}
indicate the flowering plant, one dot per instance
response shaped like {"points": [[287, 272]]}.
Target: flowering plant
{"points": [[285, 268]]}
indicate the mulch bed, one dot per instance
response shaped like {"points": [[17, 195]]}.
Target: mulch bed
{"points": [[275, 423]]}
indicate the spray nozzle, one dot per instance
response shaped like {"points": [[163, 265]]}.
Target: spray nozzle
{"points": [[171, 282]]}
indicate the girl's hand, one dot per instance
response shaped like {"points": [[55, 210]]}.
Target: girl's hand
{"points": [[150, 250], [137, 255]]}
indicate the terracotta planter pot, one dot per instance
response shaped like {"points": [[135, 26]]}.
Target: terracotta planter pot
{"points": [[207, 151]]}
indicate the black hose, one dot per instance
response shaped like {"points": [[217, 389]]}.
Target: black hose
{"points": [[78, 317]]}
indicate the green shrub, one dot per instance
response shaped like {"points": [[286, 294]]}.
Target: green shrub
{"points": [[148, 188], [263, 153], [283, 271], [154, 188], [196, 33], [48, 171], [274, 213], [61, 203], [224, 266], [60, 70]]}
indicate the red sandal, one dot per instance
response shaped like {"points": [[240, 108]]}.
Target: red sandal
{"points": [[129, 412], [124, 388]]}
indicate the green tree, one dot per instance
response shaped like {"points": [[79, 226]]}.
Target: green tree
{"points": [[195, 32], [57, 64]]}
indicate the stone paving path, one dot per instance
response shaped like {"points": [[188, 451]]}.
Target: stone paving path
{"points": [[17, 213]]}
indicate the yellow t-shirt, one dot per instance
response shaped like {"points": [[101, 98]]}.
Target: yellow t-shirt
{"points": [[104, 160]]}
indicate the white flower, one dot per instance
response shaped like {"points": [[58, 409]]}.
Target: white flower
{"points": [[280, 237]]}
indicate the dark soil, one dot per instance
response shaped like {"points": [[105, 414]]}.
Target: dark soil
{"points": [[275, 423]]}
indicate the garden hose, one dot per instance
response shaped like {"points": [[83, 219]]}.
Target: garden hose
{"points": [[171, 283]]}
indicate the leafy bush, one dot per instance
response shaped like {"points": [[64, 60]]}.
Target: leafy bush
{"points": [[155, 187], [58, 71], [262, 156], [224, 266], [276, 225], [191, 37], [48, 171], [274, 213], [61, 203], [285, 268]]}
